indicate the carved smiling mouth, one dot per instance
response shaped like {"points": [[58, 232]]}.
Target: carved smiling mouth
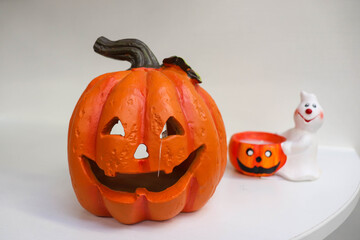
{"points": [[152, 181], [306, 119], [257, 169]]}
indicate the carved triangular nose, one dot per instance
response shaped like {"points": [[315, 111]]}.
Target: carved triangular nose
{"points": [[141, 152]]}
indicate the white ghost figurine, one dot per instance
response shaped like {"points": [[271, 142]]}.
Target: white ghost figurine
{"points": [[300, 146]]}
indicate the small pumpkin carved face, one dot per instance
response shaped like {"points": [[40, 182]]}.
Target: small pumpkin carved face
{"points": [[160, 109], [257, 153]]}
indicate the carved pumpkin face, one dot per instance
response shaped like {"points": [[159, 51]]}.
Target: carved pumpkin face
{"points": [[161, 109], [257, 153]]}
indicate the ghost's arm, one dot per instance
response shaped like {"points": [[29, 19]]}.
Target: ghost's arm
{"points": [[294, 147]]}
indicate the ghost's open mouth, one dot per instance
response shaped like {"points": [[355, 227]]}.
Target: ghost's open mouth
{"points": [[258, 169], [152, 181], [306, 120]]}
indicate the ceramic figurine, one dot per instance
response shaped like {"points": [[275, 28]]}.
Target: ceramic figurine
{"points": [[256, 154], [301, 144], [160, 109]]}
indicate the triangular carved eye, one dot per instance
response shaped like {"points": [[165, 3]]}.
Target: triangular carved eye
{"points": [[114, 127], [171, 127]]}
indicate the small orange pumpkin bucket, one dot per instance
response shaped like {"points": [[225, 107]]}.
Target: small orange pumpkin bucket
{"points": [[257, 153]]}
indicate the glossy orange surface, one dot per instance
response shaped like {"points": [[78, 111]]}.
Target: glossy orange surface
{"points": [[256, 153], [109, 181]]}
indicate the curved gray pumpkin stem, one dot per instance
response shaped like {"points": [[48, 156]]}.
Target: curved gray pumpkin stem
{"points": [[132, 50]]}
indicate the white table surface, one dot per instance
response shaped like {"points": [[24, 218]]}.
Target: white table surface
{"points": [[37, 200]]}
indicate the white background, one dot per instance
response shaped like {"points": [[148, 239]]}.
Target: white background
{"points": [[254, 58]]}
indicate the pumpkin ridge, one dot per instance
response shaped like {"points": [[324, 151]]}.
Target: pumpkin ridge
{"points": [[89, 87], [97, 81], [190, 197], [187, 88], [219, 123], [102, 107], [133, 82], [180, 97], [168, 105], [106, 79], [93, 205], [144, 125]]}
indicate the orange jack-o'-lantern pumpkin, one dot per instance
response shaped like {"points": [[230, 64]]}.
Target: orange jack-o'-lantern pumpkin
{"points": [[257, 153], [161, 109]]}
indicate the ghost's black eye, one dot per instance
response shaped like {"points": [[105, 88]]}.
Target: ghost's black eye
{"points": [[249, 152], [314, 105], [171, 127], [307, 105], [268, 153]]}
